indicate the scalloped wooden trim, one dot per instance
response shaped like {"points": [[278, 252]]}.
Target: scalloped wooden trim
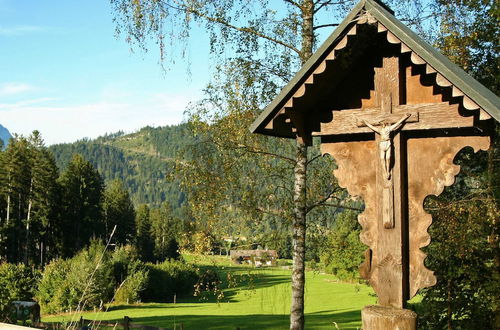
{"points": [[300, 92], [430, 170], [404, 48], [483, 115], [330, 56], [429, 69], [381, 27], [442, 81], [342, 43], [455, 92], [352, 31], [320, 69], [416, 59], [392, 38], [469, 104]]}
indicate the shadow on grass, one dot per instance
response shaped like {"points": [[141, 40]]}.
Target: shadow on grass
{"points": [[148, 306], [324, 320], [245, 279]]}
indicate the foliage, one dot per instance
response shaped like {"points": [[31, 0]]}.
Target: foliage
{"points": [[168, 279], [165, 229], [118, 211], [17, 282], [343, 251], [144, 241], [29, 199], [82, 189], [82, 282], [469, 37], [132, 287], [464, 251], [142, 161], [208, 284], [130, 274]]}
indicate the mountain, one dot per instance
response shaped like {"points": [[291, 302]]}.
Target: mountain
{"points": [[4, 136], [142, 160]]}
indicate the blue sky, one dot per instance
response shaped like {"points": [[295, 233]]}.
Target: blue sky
{"points": [[63, 72]]}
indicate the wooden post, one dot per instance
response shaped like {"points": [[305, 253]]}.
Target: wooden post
{"points": [[126, 322], [386, 318]]}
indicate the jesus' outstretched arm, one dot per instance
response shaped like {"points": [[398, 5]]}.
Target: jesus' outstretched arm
{"points": [[398, 124], [373, 128]]}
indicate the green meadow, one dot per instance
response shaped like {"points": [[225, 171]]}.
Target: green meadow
{"points": [[253, 298]]}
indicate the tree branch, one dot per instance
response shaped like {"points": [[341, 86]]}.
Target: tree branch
{"points": [[293, 3], [323, 201], [273, 213], [314, 158], [234, 27], [262, 152], [339, 206], [325, 25], [323, 4]]}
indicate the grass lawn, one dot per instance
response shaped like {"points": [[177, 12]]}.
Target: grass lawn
{"points": [[259, 300]]}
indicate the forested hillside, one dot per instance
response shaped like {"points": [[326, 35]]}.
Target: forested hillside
{"points": [[141, 160], [4, 136]]}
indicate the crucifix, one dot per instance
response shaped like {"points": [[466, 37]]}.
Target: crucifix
{"points": [[393, 171], [385, 148]]}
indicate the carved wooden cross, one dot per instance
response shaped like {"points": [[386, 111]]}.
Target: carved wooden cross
{"points": [[394, 222]]}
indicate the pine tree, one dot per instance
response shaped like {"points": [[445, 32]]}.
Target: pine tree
{"points": [[144, 240], [15, 179], [43, 204], [82, 190], [119, 211]]}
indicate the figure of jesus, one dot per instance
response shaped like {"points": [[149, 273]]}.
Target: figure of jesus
{"points": [[385, 141]]}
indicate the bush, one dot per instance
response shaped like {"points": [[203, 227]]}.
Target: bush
{"points": [[17, 282], [83, 282], [130, 275], [344, 252], [209, 283], [169, 278], [131, 288]]}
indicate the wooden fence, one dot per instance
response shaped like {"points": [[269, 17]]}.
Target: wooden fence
{"points": [[84, 324]]}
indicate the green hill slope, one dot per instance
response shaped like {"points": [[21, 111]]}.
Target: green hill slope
{"points": [[142, 160]]}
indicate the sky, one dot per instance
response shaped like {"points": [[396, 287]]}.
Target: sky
{"points": [[64, 73]]}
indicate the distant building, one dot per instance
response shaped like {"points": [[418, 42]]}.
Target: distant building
{"points": [[258, 258]]}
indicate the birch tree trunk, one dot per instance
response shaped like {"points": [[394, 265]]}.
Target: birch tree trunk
{"points": [[299, 239], [8, 201], [28, 218], [297, 320]]}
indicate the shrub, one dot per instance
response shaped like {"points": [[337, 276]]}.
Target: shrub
{"points": [[169, 278], [17, 282], [209, 283], [83, 282], [131, 288], [130, 275], [344, 252]]}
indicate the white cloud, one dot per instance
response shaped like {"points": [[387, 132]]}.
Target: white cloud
{"points": [[59, 124], [19, 30], [12, 88]]}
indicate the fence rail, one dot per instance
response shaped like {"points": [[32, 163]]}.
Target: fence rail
{"points": [[84, 324]]}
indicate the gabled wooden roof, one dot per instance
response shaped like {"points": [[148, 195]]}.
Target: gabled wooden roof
{"points": [[447, 74]]}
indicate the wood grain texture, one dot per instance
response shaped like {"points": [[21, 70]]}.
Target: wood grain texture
{"points": [[356, 171], [430, 115], [430, 169], [386, 318]]}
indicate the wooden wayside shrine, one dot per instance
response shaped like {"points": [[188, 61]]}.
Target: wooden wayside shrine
{"points": [[393, 113]]}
